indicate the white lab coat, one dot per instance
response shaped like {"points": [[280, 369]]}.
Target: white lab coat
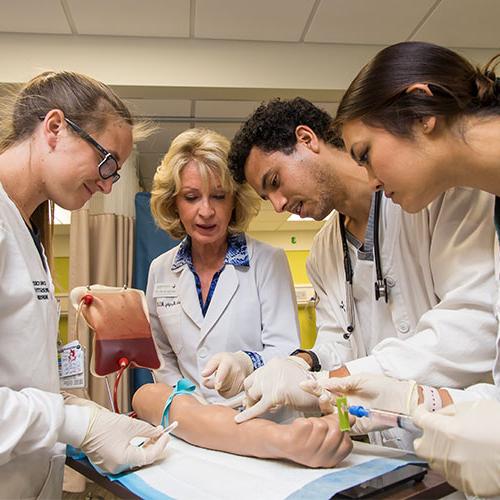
{"points": [[485, 391], [31, 409], [438, 327], [253, 308]]}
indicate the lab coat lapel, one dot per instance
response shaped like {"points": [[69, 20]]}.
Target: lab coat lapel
{"points": [[189, 297], [226, 287]]}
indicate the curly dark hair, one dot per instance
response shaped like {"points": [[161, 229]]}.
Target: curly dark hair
{"points": [[272, 128]]}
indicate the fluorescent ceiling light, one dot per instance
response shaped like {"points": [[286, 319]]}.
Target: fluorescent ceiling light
{"points": [[297, 218], [61, 216]]}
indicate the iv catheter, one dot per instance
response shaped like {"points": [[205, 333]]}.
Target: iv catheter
{"points": [[386, 418]]}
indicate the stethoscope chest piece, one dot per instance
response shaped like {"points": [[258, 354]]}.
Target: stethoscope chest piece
{"points": [[381, 289]]}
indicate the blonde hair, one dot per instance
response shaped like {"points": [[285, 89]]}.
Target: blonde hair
{"points": [[88, 102], [210, 151]]}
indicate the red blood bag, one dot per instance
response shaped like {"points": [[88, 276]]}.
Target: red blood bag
{"points": [[122, 333]]}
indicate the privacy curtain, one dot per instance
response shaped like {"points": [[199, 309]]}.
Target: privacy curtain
{"points": [[150, 242]]}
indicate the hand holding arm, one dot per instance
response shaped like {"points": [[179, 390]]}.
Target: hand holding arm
{"points": [[276, 384]]}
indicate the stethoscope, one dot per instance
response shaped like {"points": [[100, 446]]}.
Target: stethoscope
{"points": [[381, 288]]}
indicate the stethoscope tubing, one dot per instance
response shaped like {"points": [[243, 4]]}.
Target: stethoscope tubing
{"points": [[381, 289]]}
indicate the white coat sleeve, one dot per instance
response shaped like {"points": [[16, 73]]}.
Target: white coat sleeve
{"points": [[169, 372], [280, 323], [330, 346], [454, 342], [32, 420]]}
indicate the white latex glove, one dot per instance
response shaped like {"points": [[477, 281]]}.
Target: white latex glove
{"points": [[368, 390], [462, 442], [231, 369], [107, 442], [276, 384]]}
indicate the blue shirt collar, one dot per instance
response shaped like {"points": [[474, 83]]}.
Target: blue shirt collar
{"points": [[236, 254]]}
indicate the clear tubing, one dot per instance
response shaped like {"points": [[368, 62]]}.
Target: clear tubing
{"points": [[382, 418]]}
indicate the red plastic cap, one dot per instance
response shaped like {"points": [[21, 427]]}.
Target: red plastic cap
{"points": [[123, 362], [87, 299]]}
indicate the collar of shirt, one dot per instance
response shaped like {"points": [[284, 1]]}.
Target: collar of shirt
{"points": [[236, 254]]}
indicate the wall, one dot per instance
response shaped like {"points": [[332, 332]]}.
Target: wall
{"points": [[60, 276]]}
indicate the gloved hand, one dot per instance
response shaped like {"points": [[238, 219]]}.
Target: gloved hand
{"points": [[368, 390], [276, 384], [462, 442], [107, 441], [231, 369]]}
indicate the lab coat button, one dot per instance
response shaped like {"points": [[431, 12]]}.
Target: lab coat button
{"points": [[390, 282], [203, 352], [404, 327]]}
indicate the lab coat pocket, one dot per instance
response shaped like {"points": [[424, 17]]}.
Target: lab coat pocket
{"points": [[171, 325], [52, 487]]}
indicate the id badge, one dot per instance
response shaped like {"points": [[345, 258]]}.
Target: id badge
{"points": [[165, 290], [71, 361]]}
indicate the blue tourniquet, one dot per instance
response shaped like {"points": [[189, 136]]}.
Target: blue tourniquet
{"points": [[183, 386]]}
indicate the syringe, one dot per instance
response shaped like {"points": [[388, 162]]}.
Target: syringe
{"points": [[386, 418]]}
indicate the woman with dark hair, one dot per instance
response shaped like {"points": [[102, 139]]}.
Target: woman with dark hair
{"points": [[422, 120]]}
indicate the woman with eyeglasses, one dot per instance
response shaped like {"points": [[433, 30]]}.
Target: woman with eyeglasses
{"points": [[422, 119], [65, 138]]}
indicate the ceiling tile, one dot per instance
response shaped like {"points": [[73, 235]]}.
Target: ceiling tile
{"points": [[162, 18], [366, 21], [160, 107], [463, 23], [226, 109], [33, 16], [277, 20]]}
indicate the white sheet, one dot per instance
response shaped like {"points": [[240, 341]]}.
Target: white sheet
{"points": [[196, 473]]}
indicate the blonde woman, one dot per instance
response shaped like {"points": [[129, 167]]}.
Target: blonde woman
{"points": [[221, 303]]}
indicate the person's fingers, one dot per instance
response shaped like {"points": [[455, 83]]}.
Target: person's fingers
{"points": [[312, 387], [211, 366], [326, 403], [338, 385], [430, 420], [221, 374], [209, 383], [248, 382], [252, 412], [141, 428], [149, 453]]}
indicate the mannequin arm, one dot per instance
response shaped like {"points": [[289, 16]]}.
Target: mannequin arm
{"points": [[315, 442]]}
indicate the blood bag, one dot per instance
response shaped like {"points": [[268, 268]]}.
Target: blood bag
{"points": [[119, 320]]}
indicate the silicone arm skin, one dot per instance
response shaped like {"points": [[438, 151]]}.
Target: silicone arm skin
{"points": [[314, 442]]}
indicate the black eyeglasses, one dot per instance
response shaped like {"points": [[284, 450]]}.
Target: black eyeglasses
{"points": [[108, 167]]}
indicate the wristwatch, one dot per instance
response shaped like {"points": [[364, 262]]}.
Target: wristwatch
{"points": [[316, 365]]}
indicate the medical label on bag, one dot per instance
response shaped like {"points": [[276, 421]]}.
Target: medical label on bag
{"points": [[165, 290], [71, 359]]}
